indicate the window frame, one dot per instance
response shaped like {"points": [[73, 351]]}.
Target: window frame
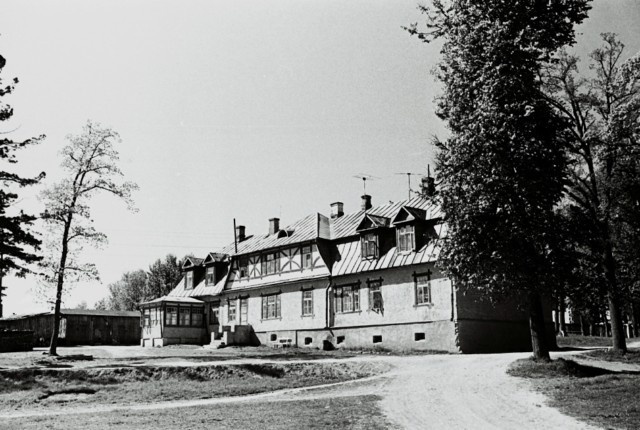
{"points": [[307, 302], [209, 271], [197, 311], [243, 267], [366, 239], [353, 296], [187, 311], [306, 257], [188, 280], [417, 277], [146, 312], [167, 316], [409, 244], [375, 286], [232, 304], [265, 306]]}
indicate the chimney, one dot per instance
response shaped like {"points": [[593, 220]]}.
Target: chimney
{"points": [[240, 234], [337, 210], [428, 186], [366, 202], [274, 225]]}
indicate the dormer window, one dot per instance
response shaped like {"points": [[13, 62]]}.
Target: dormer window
{"points": [[406, 238], [369, 243], [188, 280], [210, 275]]}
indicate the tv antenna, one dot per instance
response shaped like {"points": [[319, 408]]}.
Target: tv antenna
{"points": [[365, 178], [409, 175]]}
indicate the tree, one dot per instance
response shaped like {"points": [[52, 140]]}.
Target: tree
{"points": [[16, 241], [90, 161], [163, 275], [502, 170], [602, 112], [128, 292]]}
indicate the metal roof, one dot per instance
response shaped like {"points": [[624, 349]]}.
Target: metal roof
{"points": [[347, 224], [303, 230], [172, 299], [349, 257]]}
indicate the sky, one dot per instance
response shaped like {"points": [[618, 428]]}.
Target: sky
{"points": [[228, 109]]}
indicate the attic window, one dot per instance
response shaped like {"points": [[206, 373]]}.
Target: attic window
{"points": [[406, 238], [369, 244], [188, 280], [210, 276], [284, 233]]}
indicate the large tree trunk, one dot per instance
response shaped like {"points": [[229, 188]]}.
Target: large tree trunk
{"points": [[536, 325], [53, 347], [619, 343]]}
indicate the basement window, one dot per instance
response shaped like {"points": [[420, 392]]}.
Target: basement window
{"points": [[419, 336], [273, 337], [377, 338], [308, 341], [339, 340]]}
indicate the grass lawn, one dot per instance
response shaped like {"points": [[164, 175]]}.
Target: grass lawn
{"points": [[631, 357], [344, 413], [576, 341], [28, 388], [587, 393]]}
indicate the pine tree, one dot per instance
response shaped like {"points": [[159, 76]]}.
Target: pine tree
{"points": [[17, 244]]}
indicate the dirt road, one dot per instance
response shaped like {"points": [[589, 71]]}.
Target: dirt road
{"points": [[420, 392], [466, 392]]}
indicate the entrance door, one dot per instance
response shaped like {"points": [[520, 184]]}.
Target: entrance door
{"points": [[244, 306]]}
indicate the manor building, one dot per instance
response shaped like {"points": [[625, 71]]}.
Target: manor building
{"points": [[361, 280]]}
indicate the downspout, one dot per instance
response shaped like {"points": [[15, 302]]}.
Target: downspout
{"points": [[453, 301], [328, 305]]}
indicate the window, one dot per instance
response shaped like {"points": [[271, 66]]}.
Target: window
{"points": [[210, 275], [375, 295], [197, 317], [271, 306], [171, 315], [370, 245], [243, 267], [307, 302], [147, 318], [423, 288], [270, 263], [232, 310], [307, 257], [214, 316], [406, 238], [188, 280], [184, 316], [347, 298]]}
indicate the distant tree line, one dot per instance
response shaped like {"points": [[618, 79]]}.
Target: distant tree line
{"points": [[140, 285]]}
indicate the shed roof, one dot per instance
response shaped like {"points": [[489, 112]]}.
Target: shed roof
{"points": [[84, 312]]}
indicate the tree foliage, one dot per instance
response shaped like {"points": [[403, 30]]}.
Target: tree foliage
{"points": [[602, 110], [138, 286], [502, 170], [17, 243], [90, 161]]}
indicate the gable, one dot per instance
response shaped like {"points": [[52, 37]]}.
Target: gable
{"points": [[370, 222]]}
